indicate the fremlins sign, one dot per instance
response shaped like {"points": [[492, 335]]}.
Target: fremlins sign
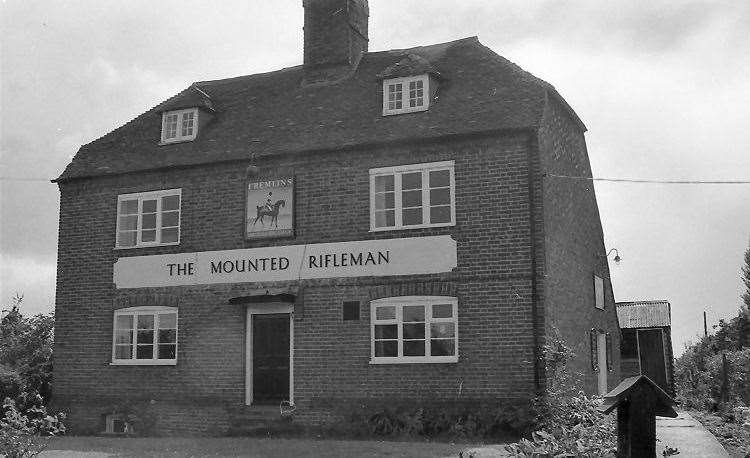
{"points": [[270, 208]]}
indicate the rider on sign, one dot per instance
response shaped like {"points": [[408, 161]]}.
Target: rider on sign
{"points": [[268, 204]]}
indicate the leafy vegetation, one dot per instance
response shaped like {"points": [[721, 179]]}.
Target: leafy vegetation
{"points": [[503, 419], [26, 426], [25, 352], [699, 371], [569, 423], [717, 393], [25, 383]]}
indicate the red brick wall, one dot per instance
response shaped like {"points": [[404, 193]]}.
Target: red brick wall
{"points": [[493, 284], [574, 245], [330, 37]]}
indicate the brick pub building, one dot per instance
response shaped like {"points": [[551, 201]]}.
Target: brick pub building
{"points": [[368, 227]]}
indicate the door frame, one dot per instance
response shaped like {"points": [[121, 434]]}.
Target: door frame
{"points": [[663, 351], [601, 358], [266, 308]]}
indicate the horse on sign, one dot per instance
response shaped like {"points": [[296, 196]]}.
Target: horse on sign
{"points": [[273, 212]]}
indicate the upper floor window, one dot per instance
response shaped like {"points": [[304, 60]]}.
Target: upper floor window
{"points": [[148, 218], [179, 125], [414, 329], [598, 292], [406, 95], [412, 196], [145, 335]]}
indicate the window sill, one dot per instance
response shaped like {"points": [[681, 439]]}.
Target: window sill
{"points": [[145, 362], [415, 360], [146, 246], [404, 228], [404, 111], [172, 142]]}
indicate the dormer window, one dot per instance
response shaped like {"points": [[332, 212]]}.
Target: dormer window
{"points": [[179, 125], [406, 95]]}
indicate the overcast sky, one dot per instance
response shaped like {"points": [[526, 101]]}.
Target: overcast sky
{"points": [[663, 87]]}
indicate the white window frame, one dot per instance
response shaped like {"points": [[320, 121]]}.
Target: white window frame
{"points": [[150, 195], [425, 79], [399, 303], [599, 298], [397, 171], [145, 310], [180, 119]]}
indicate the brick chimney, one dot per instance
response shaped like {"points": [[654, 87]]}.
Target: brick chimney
{"points": [[335, 38]]}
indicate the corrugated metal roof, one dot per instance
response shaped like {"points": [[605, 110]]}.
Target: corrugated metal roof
{"points": [[643, 314]]}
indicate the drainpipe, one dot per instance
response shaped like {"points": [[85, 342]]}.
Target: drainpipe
{"points": [[530, 148]]}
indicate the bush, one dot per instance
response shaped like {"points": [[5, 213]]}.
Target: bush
{"points": [[26, 348], [569, 423], [502, 419], [699, 374], [11, 383], [26, 426]]}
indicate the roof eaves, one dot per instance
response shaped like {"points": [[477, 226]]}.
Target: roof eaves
{"points": [[529, 129]]}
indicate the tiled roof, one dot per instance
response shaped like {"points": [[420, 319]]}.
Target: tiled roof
{"points": [[272, 113], [643, 314], [192, 97], [410, 65]]}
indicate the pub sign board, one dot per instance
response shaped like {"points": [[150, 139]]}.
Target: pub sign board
{"points": [[270, 208], [386, 257]]}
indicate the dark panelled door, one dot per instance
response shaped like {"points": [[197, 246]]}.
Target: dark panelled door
{"points": [[270, 358], [651, 353]]}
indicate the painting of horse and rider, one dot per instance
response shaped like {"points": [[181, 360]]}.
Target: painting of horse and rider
{"points": [[269, 208]]}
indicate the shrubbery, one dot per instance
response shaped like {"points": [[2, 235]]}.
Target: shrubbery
{"points": [[25, 377], [26, 426], [25, 352], [699, 378], [503, 419], [699, 370], [569, 423], [563, 422], [11, 383]]}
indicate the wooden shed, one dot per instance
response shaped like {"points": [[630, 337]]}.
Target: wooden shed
{"points": [[646, 346]]}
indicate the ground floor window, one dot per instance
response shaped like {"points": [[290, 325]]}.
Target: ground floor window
{"points": [[414, 329], [145, 335]]}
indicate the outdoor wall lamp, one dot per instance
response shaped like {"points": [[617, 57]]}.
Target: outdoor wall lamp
{"points": [[617, 257]]}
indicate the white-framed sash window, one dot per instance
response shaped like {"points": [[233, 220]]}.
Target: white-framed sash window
{"points": [[148, 218], [179, 125], [412, 196], [414, 329], [406, 94], [145, 336]]}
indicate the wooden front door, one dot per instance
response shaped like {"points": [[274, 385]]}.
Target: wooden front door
{"points": [[651, 354], [270, 358]]}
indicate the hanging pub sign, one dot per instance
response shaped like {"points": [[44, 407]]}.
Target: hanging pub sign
{"points": [[270, 208]]}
